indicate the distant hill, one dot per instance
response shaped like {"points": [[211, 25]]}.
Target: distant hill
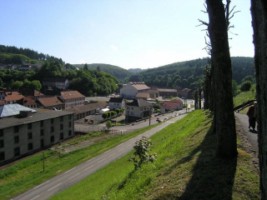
{"points": [[135, 70], [118, 72], [14, 55], [190, 73]]}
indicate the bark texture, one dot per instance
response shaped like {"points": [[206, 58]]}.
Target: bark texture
{"points": [[222, 79], [259, 22]]}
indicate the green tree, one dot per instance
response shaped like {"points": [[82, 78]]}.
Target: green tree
{"points": [[16, 85], [245, 86]]}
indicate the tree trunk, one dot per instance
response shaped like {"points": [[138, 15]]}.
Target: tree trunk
{"points": [[259, 22], [199, 98], [220, 55]]}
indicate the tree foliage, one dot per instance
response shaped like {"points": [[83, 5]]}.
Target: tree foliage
{"points": [[188, 74], [141, 153]]}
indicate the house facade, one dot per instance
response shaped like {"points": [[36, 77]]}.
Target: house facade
{"points": [[172, 105], [59, 83], [21, 136], [116, 103], [72, 98], [130, 90], [137, 109], [167, 93]]}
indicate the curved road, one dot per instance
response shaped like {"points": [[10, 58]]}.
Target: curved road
{"points": [[76, 174]]}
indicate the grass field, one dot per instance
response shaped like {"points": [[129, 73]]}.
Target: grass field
{"points": [[28, 172], [186, 168]]}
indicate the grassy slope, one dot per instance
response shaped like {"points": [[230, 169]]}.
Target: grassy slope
{"points": [[243, 97], [28, 172], [186, 168]]}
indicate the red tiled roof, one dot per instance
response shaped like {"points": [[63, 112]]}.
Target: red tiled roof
{"points": [[13, 96], [49, 101], [72, 94], [29, 101]]}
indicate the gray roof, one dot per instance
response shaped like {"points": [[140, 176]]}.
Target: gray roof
{"points": [[13, 109], [41, 114]]}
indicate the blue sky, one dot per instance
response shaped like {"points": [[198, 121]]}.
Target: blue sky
{"points": [[126, 33]]}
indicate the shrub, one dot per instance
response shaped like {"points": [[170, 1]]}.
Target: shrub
{"points": [[245, 86], [141, 154]]}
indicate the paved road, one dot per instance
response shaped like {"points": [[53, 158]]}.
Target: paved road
{"points": [[252, 137], [76, 174]]}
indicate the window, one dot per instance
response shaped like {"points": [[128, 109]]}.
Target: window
{"points": [[30, 146], [61, 136], [17, 151], [61, 119], [2, 156], [42, 123], [30, 126], [42, 143], [16, 139], [1, 133], [16, 129], [42, 132], [2, 143], [29, 136], [52, 121], [52, 129], [70, 133], [69, 124], [61, 126], [52, 139]]}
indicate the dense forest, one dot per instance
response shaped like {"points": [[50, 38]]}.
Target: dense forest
{"points": [[14, 55], [190, 73], [115, 71]]}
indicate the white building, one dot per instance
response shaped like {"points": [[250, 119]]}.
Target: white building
{"points": [[130, 90]]}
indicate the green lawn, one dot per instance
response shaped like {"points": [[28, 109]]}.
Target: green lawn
{"points": [[186, 168], [28, 172]]}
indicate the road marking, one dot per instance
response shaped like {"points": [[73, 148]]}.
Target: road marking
{"points": [[69, 170], [36, 197], [36, 187], [54, 187]]}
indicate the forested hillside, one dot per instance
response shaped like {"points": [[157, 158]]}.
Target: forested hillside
{"points": [[190, 73], [14, 55], [181, 74], [115, 71]]}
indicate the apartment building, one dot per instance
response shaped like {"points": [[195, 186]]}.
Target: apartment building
{"points": [[26, 133]]}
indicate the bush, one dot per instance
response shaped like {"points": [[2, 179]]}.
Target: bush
{"points": [[245, 86], [141, 154]]}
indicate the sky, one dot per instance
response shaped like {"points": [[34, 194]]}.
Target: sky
{"points": [[126, 33]]}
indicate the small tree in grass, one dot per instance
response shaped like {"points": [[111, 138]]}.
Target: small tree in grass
{"points": [[108, 124], [141, 154]]}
